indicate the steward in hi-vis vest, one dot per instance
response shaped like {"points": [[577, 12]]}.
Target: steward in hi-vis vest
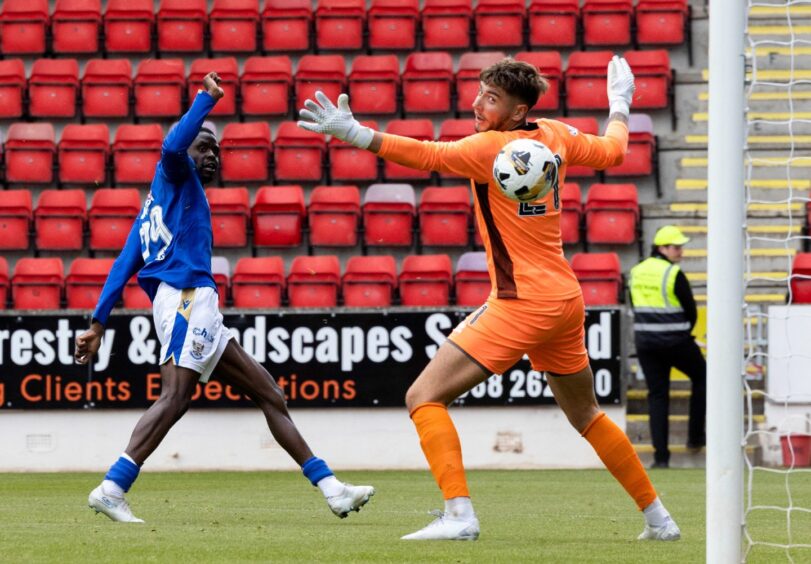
{"points": [[664, 316]]}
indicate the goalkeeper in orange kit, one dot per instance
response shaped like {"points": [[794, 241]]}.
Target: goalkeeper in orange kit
{"points": [[536, 305]]}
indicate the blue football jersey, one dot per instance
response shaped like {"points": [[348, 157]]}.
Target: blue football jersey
{"points": [[170, 240]]}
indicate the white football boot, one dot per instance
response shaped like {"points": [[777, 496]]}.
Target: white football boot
{"points": [[116, 509], [447, 527], [352, 499], [667, 532]]}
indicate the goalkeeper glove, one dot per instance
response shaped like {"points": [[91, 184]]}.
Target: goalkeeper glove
{"points": [[620, 86], [323, 117]]}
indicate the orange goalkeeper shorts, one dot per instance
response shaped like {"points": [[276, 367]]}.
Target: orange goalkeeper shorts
{"points": [[502, 331]]}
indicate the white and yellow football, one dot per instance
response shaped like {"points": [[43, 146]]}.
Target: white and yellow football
{"points": [[526, 170]]}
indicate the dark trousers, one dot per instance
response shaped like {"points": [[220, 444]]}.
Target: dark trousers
{"points": [[656, 364]]}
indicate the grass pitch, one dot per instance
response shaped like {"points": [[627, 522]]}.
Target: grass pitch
{"points": [[526, 516]]}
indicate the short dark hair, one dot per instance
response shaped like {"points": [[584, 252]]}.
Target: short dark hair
{"points": [[517, 78]]}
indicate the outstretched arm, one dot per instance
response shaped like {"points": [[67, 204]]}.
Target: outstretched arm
{"points": [[174, 159]]}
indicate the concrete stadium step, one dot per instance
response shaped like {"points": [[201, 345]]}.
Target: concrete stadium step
{"points": [[779, 12], [695, 141], [680, 457], [637, 427], [755, 209]]}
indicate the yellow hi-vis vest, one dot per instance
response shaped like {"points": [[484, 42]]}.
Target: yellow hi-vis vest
{"points": [[659, 318]]}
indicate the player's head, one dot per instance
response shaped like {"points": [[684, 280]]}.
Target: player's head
{"points": [[205, 152], [507, 91]]}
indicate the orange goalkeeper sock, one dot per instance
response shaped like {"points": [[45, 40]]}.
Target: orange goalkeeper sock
{"points": [[618, 455], [440, 444]]}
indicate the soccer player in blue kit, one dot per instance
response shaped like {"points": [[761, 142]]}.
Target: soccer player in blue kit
{"points": [[170, 248]]}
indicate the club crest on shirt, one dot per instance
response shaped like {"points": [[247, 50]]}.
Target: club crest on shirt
{"points": [[197, 349]]}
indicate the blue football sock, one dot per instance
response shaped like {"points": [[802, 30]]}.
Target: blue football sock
{"points": [[123, 472], [316, 470]]}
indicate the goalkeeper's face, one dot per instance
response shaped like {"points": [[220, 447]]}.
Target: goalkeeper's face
{"points": [[496, 110], [205, 152]]}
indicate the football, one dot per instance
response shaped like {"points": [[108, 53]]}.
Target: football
{"points": [[526, 170]]}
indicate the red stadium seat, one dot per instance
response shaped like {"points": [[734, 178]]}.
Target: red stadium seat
{"points": [[59, 220], [600, 277], [801, 279], [652, 77], [585, 79], [550, 65], [134, 297], [374, 83], [245, 152], [75, 26], [320, 72], [454, 130], [230, 213], [369, 281], [106, 85], [82, 153], [553, 23], [4, 282], [388, 215], [298, 154], [612, 213], [30, 150], [158, 88], [128, 26], [265, 86], [85, 279], [286, 25], [421, 129], [334, 213], [37, 283], [228, 70], [640, 160], [662, 22], [12, 88], [110, 217], [278, 216], [258, 282], [393, 25], [499, 23], [348, 163], [571, 212], [425, 280], [446, 24], [23, 26], [15, 219], [314, 281], [52, 88], [607, 22], [181, 26], [339, 24], [233, 25], [445, 216], [584, 125], [221, 270], [427, 83], [136, 152], [472, 280], [467, 77]]}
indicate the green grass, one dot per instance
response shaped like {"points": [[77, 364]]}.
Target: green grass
{"points": [[526, 516]]}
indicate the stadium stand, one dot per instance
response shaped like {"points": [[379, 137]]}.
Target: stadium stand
{"points": [[600, 277], [24, 27], [158, 88], [16, 213], [59, 220], [421, 129], [258, 282], [641, 159], [3, 282], [136, 152], [551, 66], [347, 163], [245, 150], [286, 25], [181, 26], [221, 269], [228, 70], [444, 216], [313, 281], [128, 26], [319, 72], [134, 296], [82, 154], [37, 283], [374, 84], [607, 22], [369, 281], [233, 26], [663, 22], [29, 153], [801, 279], [426, 81], [612, 214], [425, 280], [571, 213], [106, 87], [499, 23], [472, 280], [586, 125], [446, 24], [392, 25], [85, 279], [334, 216], [278, 216], [339, 25], [265, 86], [553, 23], [52, 88], [110, 217], [388, 215], [298, 154], [75, 26], [585, 80], [230, 216], [12, 88]]}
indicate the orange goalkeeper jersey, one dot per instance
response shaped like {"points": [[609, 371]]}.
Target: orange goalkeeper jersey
{"points": [[522, 239]]}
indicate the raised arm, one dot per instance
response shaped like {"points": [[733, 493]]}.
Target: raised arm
{"points": [[174, 160]]}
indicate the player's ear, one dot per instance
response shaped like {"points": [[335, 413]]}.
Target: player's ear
{"points": [[520, 112]]}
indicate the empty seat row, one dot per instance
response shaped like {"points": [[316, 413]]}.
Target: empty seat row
{"points": [[268, 86], [83, 155], [313, 281], [239, 26]]}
